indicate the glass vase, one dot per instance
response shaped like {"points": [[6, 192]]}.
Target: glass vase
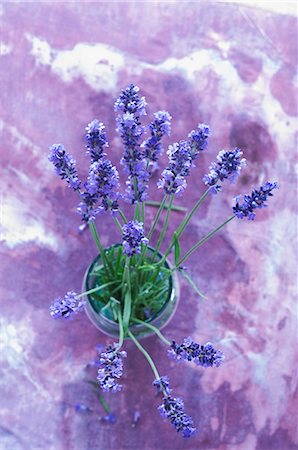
{"points": [[106, 323]]}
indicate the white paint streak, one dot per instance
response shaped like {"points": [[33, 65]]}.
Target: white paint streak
{"points": [[21, 142], [258, 94], [18, 227], [98, 64], [5, 49], [15, 340]]}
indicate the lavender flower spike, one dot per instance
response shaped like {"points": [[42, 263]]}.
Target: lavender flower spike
{"points": [[131, 107], [173, 409], [67, 306], [257, 199], [130, 102], [65, 165], [180, 162], [96, 140], [199, 140], [227, 166], [133, 236], [110, 368], [202, 355], [159, 127], [102, 184]]}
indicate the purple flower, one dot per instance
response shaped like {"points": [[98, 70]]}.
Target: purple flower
{"points": [[173, 409], [199, 140], [180, 162], [96, 140], [102, 184], [130, 129], [111, 418], [129, 101], [257, 199], [159, 127], [67, 306], [227, 166], [163, 385], [202, 355], [133, 236], [181, 158], [65, 165], [110, 368]]}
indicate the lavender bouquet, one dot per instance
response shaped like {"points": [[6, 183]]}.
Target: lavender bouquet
{"points": [[131, 283]]}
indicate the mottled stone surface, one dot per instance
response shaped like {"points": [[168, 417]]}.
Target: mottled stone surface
{"points": [[230, 66]]}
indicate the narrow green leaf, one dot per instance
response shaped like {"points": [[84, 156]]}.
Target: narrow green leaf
{"points": [[177, 248], [127, 310], [192, 283]]}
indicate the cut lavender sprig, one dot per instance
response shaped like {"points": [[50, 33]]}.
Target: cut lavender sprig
{"points": [[202, 355], [110, 368], [133, 237], [67, 306], [96, 140], [257, 199], [227, 166], [159, 127], [65, 165]]}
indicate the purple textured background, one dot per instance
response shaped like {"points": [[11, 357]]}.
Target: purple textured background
{"points": [[229, 66]]}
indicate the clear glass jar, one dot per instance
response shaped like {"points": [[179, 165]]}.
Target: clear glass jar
{"points": [[109, 327]]}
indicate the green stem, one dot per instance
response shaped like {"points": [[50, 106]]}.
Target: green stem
{"points": [[118, 225], [105, 260], [146, 354], [97, 288], [94, 384], [143, 214], [126, 295], [104, 404], [186, 220], [121, 330], [137, 212], [164, 228], [122, 215], [156, 330], [173, 208], [160, 209], [208, 236]]}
